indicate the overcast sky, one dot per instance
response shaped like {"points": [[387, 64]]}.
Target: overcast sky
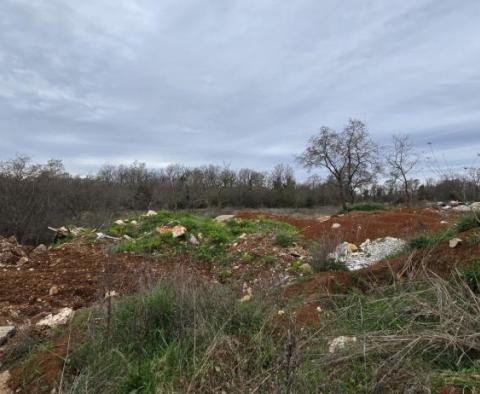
{"points": [[224, 81]]}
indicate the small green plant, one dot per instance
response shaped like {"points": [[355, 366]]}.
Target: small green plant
{"points": [[224, 275], [474, 239], [471, 276], [246, 258], [269, 260], [467, 222], [284, 239], [294, 266]]}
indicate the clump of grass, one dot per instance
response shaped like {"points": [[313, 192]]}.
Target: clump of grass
{"points": [[465, 223], [429, 240], [474, 239], [269, 260], [321, 255], [246, 258], [468, 222], [471, 276], [179, 337], [364, 207], [284, 239], [417, 333]]}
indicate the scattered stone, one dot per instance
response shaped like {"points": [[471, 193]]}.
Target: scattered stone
{"points": [[10, 251], [4, 379], [242, 236], [193, 240], [224, 218], [40, 249], [176, 231], [134, 222], [105, 236], [119, 222], [111, 294], [281, 312], [339, 343], [61, 232], [336, 225], [365, 243], [323, 219], [351, 248], [462, 208], [247, 297], [150, 213], [447, 207], [76, 231], [454, 203], [60, 318], [23, 260], [443, 222], [6, 332], [127, 237], [454, 242], [53, 290], [306, 269], [475, 206]]}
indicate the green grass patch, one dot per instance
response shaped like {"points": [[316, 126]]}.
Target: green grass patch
{"points": [[471, 276], [468, 222], [175, 338], [285, 240], [474, 239], [214, 237], [465, 223]]}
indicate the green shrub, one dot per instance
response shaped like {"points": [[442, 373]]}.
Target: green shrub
{"points": [[284, 239], [467, 222], [364, 207]]}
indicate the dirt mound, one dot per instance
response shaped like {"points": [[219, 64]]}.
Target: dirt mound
{"points": [[82, 273], [356, 227]]}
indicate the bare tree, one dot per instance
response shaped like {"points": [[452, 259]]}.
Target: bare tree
{"points": [[401, 161], [350, 156]]}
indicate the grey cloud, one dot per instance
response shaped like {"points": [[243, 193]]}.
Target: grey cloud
{"points": [[243, 82]]}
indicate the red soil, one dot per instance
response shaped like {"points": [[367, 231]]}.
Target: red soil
{"points": [[83, 274], [356, 227]]}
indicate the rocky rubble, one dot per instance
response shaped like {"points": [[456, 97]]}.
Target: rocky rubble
{"points": [[368, 253], [11, 252], [458, 206]]}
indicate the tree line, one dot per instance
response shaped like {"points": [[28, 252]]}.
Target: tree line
{"points": [[34, 196]]}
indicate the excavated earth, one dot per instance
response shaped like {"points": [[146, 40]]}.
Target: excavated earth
{"points": [[356, 227], [82, 273]]}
